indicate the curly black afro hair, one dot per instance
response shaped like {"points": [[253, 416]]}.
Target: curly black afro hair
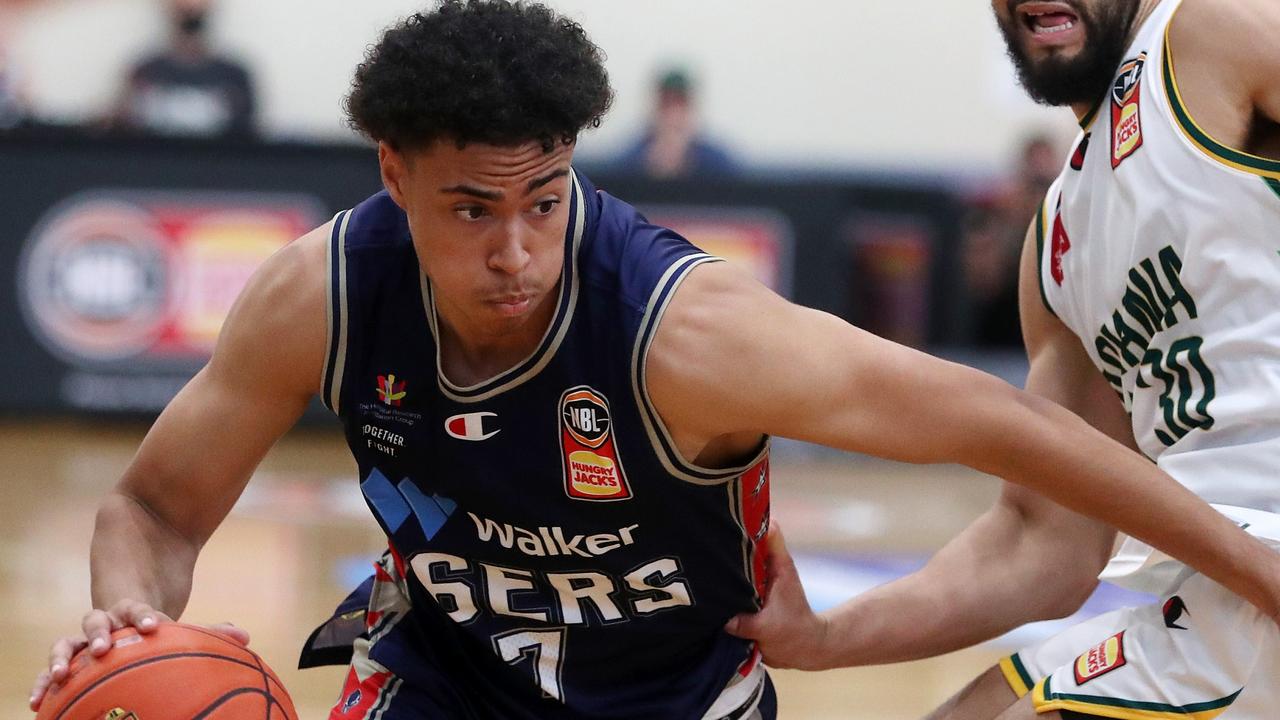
{"points": [[488, 71]]}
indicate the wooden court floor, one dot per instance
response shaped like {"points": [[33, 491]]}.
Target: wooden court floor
{"points": [[285, 555]]}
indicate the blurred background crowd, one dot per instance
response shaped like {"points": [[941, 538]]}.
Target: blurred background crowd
{"points": [[861, 97]]}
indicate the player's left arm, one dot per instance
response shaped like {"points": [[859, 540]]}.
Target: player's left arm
{"points": [[766, 365], [1263, 65], [1226, 52]]}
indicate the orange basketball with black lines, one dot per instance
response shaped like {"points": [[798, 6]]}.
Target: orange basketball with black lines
{"points": [[177, 672]]}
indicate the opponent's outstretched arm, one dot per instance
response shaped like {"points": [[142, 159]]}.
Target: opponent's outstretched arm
{"points": [[197, 458], [1025, 559], [769, 366]]}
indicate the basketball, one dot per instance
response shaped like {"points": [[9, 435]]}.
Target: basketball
{"points": [[177, 671]]}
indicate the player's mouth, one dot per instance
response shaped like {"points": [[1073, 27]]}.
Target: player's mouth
{"points": [[513, 305], [1050, 24]]}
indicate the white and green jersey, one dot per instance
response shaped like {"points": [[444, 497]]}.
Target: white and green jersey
{"points": [[1160, 248]]}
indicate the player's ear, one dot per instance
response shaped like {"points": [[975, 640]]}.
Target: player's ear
{"points": [[394, 170]]}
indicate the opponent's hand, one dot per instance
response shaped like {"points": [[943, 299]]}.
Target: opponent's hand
{"points": [[96, 628], [787, 630]]}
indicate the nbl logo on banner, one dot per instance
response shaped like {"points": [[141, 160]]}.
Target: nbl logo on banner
{"points": [[592, 468]]}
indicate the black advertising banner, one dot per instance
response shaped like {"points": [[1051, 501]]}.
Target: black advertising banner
{"points": [[120, 258]]}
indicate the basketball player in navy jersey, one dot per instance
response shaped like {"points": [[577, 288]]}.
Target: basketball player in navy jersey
{"points": [[560, 412]]}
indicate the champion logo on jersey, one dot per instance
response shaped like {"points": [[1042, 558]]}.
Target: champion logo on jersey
{"points": [[592, 468], [390, 392], [474, 426], [1173, 610], [1126, 117], [1101, 659]]}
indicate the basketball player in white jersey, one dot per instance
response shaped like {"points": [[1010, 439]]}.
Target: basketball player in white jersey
{"points": [[1150, 300]]}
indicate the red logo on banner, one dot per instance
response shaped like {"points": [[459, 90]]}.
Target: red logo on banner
{"points": [[149, 276], [592, 469]]}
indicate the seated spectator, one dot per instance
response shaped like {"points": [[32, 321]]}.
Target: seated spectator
{"points": [[673, 146], [14, 110], [186, 89]]}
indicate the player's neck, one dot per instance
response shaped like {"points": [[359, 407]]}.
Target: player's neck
{"points": [[471, 353], [1145, 8]]}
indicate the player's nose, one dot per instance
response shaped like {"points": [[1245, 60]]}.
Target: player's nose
{"points": [[510, 253]]}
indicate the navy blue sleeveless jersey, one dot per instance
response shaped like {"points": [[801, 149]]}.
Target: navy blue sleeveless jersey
{"points": [[564, 560]]}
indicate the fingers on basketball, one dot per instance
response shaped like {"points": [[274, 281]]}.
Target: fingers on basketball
{"points": [[176, 671]]}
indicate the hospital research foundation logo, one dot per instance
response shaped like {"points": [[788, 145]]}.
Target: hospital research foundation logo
{"points": [[390, 392], [592, 468]]}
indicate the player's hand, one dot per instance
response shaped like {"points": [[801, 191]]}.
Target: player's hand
{"points": [[787, 630], [96, 629]]}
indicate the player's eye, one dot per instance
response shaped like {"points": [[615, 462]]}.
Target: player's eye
{"points": [[470, 213], [545, 207]]}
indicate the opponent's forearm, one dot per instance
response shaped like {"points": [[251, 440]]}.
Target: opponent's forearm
{"points": [[1058, 455], [136, 556], [988, 580]]}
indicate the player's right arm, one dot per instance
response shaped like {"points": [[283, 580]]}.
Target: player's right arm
{"points": [[197, 458], [1025, 559]]}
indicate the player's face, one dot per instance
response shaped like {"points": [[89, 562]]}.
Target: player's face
{"points": [[1065, 51], [488, 224]]}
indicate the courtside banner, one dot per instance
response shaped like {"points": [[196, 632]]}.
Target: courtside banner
{"points": [[129, 289], [121, 256], [760, 240]]}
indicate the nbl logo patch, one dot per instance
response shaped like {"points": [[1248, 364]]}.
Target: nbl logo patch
{"points": [[1101, 659], [1126, 118], [592, 469]]}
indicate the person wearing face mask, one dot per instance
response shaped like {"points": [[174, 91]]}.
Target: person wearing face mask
{"points": [[186, 89]]}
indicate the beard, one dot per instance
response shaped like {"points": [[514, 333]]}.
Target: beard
{"points": [[1085, 77]]}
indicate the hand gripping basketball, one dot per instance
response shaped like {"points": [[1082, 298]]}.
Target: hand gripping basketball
{"points": [[96, 628], [173, 671]]}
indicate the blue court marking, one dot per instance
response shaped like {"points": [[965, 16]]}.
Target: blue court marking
{"points": [[389, 504]]}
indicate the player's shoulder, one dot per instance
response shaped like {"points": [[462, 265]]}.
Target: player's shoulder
{"points": [[628, 254], [286, 296], [1229, 32]]}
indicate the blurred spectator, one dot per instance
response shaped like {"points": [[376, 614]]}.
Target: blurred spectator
{"points": [[673, 145], [186, 89], [991, 277], [14, 110], [993, 243]]}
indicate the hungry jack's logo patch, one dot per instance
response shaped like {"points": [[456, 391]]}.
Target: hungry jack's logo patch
{"points": [[1126, 116], [592, 468], [1101, 659]]}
